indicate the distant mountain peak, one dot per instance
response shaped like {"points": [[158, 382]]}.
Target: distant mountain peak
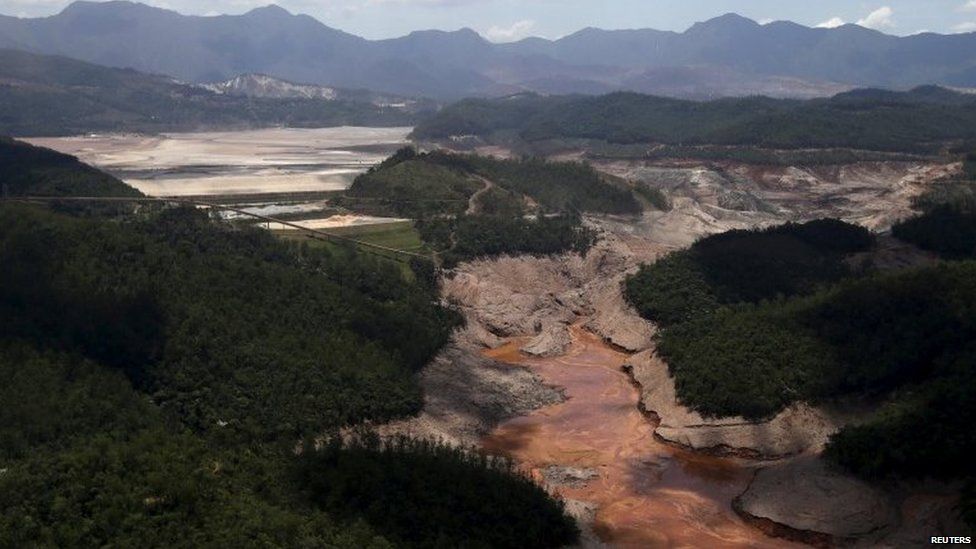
{"points": [[729, 21], [464, 32], [271, 10], [726, 55], [85, 6]]}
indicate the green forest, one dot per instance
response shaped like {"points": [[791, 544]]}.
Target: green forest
{"points": [[803, 327], [161, 367], [26, 170], [918, 121], [419, 185], [472, 236], [524, 205], [745, 266], [488, 504]]}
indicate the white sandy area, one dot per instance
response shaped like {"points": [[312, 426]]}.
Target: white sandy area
{"points": [[268, 147], [279, 182], [237, 162]]}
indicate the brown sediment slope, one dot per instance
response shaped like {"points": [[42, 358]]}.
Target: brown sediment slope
{"points": [[797, 429], [649, 492], [598, 448], [716, 197]]}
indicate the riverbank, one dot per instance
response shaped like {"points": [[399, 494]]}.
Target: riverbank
{"points": [[597, 447]]}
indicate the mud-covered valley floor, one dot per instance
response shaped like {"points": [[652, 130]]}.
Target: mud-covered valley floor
{"points": [[554, 369]]}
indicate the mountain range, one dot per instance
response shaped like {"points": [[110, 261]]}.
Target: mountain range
{"points": [[56, 95], [728, 55]]}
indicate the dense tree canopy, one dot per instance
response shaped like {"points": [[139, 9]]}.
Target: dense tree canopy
{"points": [[159, 368], [419, 185], [36, 171], [919, 120], [753, 323], [470, 206], [745, 266], [180, 303], [424, 494], [472, 236]]}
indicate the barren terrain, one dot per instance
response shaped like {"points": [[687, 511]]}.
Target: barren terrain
{"points": [[533, 301], [277, 161]]}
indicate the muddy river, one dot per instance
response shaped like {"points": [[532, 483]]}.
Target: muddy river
{"points": [[648, 494]]}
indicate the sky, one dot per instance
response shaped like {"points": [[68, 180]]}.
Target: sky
{"points": [[508, 20]]}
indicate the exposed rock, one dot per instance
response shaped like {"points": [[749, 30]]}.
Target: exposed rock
{"points": [[808, 496], [743, 201], [585, 513], [615, 320], [552, 341], [574, 477], [797, 429], [466, 395], [873, 194], [516, 296], [483, 337]]}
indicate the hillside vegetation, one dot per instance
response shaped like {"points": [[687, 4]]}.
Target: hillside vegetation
{"points": [[470, 206], [947, 225], [424, 494], [921, 120], [159, 368], [745, 266], [418, 185], [51, 95], [26, 170], [750, 345]]}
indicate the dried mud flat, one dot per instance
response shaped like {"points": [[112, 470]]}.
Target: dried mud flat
{"points": [[483, 390], [276, 160], [716, 197]]}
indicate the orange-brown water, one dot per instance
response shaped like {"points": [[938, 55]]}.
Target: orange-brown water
{"points": [[648, 494]]}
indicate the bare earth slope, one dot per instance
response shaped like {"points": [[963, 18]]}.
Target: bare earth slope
{"points": [[538, 297]]}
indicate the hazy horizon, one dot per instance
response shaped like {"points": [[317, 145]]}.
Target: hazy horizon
{"points": [[507, 20]]}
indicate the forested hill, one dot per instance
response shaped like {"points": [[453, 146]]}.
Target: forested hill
{"points": [[53, 95], [791, 321], [26, 170], [922, 120], [469, 206], [160, 368]]}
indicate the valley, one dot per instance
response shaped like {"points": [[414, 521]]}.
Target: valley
{"points": [[554, 368], [274, 172], [666, 476], [419, 285], [599, 452]]}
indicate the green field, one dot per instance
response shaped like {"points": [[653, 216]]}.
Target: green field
{"points": [[399, 235]]}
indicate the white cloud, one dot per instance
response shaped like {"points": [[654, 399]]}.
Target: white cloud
{"points": [[517, 31], [968, 6], [878, 19], [968, 26], [831, 23], [765, 21]]}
